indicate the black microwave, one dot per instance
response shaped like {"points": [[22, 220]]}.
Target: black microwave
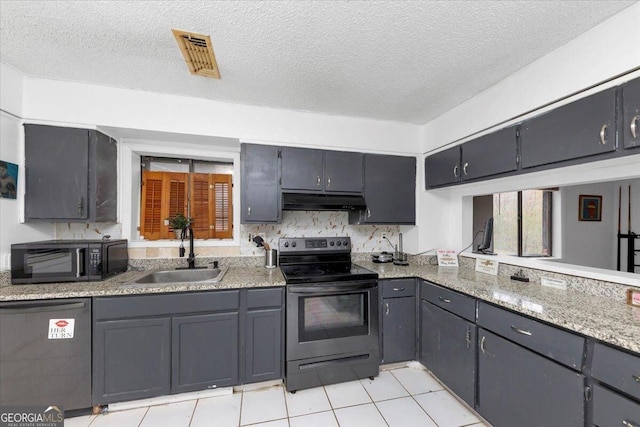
{"points": [[51, 261]]}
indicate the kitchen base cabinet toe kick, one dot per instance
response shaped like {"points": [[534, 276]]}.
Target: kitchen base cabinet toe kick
{"points": [[153, 345]]}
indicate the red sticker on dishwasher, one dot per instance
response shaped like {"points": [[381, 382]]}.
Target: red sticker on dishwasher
{"points": [[61, 329]]}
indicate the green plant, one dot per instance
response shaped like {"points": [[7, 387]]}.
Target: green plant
{"points": [[179, 221]]}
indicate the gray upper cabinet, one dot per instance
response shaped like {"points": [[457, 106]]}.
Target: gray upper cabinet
{"points": [[389, 190], [260, 198], [582, 128], [489, 155], [486, 156], [442, 168], [306, 170], [302, 169], [70, 175], [631, 114]]}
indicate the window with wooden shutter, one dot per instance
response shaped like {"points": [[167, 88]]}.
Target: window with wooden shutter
{"points": [[204, 197]]}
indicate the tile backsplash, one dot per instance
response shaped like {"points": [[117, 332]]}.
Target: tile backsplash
{"points": [[364, 238]]}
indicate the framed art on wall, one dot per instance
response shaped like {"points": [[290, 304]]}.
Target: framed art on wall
{"points": [[590, 208], [8, 180]]}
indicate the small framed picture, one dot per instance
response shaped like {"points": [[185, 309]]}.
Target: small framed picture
{"points": [[590, 208], [8, 180], [633, 297]]}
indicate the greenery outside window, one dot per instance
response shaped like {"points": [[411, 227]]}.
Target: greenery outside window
{"points": [[522, 223]]}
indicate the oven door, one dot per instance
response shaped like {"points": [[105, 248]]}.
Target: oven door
{"points": [[326, 319]]}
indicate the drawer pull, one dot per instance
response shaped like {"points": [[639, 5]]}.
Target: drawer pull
{"points": [[603, 134], [455, 171], [636, 378], [398, 289], [482, 344], [521, 331], [445, 300], [386, 304], [628, 424], [633, 127], [468, 337]]}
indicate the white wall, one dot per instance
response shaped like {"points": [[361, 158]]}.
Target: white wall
{"points": [[11, 150], [86, 104], [605, 51]]}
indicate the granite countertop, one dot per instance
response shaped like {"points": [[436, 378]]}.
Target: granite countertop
{"points": [[602, 318], [236, 277]]}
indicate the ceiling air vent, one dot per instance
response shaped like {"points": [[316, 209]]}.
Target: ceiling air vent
{"points": [[197, 51]]}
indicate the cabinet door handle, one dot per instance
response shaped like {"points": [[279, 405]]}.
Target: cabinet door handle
{"points": [[329, 182], [603, 134], [629, 423], [521, 331], [368, 213], [445, 300], [80, 205], [464, 169], [249, 211], [319, 181], [386, 304], [468, 337], [636, 378], [398, 289], [455, 171], [633, 125], [482, 344]]}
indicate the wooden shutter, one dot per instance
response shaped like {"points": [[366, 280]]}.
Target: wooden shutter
{"points": [[151, 219], [201, 206], [164, 194], [222, 206], [176, 190]]}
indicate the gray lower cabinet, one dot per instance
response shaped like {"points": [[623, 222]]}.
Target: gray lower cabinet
{"points": [[389, 189], [260, 196], [131, 359], [204, 351], [582, 128], [517, 387], [264, 332], [70, 175], [630, 132], [398, 320], [448, 349], [152, 345], [613, 409]]}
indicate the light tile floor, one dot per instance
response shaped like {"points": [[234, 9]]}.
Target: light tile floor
{"points": [[402, 397]]}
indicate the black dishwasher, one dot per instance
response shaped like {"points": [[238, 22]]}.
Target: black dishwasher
{"points": [[45, 353]]}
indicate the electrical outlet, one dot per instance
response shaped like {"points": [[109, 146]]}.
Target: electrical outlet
{"points": [[384, 235]]}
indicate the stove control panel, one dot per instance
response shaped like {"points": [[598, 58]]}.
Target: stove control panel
{"points": [[314, 244]]}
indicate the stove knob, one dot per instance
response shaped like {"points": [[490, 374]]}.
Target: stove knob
{"points": [[293, 244], [332, 243], [346, 243], [339, 242], [286, 244]]}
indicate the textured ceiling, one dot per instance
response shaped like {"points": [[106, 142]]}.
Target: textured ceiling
{"points": [[404, 61]]}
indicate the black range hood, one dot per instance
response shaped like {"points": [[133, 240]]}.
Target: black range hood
{"points": [[322, 202]]}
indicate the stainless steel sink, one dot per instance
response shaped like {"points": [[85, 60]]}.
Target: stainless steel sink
{"points": [[171, 277]]}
